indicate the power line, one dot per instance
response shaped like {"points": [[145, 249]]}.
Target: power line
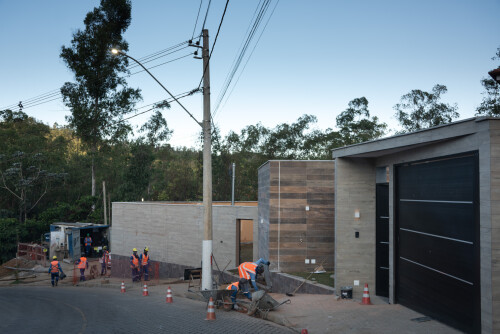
{"points": [[189, 54], [254, 27], [213, 45], [250, 56], [56, 94], [205, 20], [196, 22]]}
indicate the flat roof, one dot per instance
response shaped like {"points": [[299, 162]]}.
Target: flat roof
{"points": [[406, 141]]}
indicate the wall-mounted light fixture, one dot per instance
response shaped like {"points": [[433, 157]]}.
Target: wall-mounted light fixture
{"points": [[357, 215]]}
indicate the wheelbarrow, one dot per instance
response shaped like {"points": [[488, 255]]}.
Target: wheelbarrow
{"points": [[263, 303]]}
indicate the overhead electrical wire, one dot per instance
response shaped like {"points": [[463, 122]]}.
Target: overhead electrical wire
{"points": [[196, 22], [264, 6], [56, 93], [205, 20], [213, 45], [250, 56]]}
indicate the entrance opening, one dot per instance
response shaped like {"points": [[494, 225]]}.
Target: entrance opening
{"points": [[244, 237]]}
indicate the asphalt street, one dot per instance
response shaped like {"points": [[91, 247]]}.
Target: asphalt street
{"points": [[98, 310]]}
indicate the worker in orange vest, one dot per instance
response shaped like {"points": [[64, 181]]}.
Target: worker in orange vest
{"points": [[134, 265], [88, 244], [104, 260], [82, 264], [250, 270], [54, 269], [144, 260], [235, 287]]}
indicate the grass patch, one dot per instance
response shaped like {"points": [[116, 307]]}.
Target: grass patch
{"points": [[323, 278]]}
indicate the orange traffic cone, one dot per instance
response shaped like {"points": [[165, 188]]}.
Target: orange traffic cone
{"points": [[366, 296], [169, 296], [145, 290], [210, 310], [122, 289]]}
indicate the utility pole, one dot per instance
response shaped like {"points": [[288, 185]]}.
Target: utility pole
{"points": [[206, 269], [232, 187], [104, 202]]}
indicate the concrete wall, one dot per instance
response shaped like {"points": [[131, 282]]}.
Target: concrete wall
{"points": [[354, 257], [264, 207], [465, 136], [174, 232], [495, 224]]}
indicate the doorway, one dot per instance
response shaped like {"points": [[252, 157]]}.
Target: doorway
{"points": [[382, 240], [244, 240]]}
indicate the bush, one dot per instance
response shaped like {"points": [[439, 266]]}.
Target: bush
{"points": [[8, 238]]}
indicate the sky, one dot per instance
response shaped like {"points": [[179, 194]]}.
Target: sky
{"points": [[313, 57]]}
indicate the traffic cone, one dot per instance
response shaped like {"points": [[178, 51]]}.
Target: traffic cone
{"points": [[145, 290], [304, 331], [122, 289], [169, 296], [210, 310], [366, 296]]}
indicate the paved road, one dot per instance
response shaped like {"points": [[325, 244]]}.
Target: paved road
{"points": [[99, 310]]}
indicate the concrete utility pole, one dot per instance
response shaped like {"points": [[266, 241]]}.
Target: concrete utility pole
{"points": [[104, 202], [232, 187], [206, 269]]}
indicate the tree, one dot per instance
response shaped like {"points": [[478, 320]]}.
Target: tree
{"points": [[156, 129], [24, 178], [419, 110], [356, 126], [100, 97], [491, 96]]}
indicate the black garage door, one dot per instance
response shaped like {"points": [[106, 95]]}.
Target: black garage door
{"points": [[437, 239]]}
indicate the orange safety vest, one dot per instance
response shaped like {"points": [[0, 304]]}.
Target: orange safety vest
{"points": [[135, 262], [236, 284], [54, 267], [88, 241], [83, 263], [104, 258], [145, 259], [245, 268]]}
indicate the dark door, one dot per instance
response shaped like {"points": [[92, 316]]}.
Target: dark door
{"points": [[382, 240], [437, 236]]}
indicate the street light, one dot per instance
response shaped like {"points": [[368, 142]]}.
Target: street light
{"points": [[495, 74], [207, 159]]}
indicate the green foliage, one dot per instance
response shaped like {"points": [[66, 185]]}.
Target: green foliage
{"points": [[99, 98], [137, 174], [356, 126], [8, 238], [490, 106], [420, 110]]}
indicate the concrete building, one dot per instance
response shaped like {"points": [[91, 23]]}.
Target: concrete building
{"points": [[417, 217], [296, 214], [174, 233]]}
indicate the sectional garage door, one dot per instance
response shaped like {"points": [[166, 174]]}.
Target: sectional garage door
{"points": [[437, 239]]}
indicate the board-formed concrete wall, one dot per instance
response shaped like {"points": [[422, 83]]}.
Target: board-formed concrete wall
{"points": [[174, 232], [296, 214]]}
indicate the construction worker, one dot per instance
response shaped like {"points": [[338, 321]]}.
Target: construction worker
{"points": [[242, 285], [104, 260], [144, 260], [88, 244], [82, 265], [250, 270], [54, 269], [134, 265]]}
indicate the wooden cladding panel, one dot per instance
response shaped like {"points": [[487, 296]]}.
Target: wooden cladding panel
{"points": [[303, 234]]}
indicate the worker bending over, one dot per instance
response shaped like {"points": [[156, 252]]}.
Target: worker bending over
{"points": [[54, 269], [144, 259], [134, 265], [241, 285], [250, 270], [104, 260], [82, 265]]}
